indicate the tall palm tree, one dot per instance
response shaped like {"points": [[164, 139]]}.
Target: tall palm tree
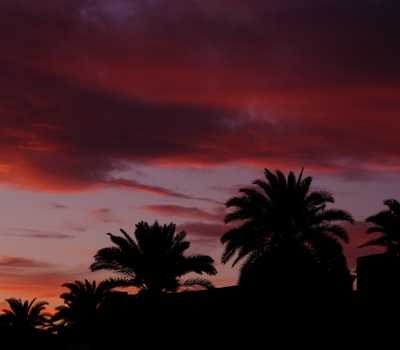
{"points": [[153, 260], [386, 222], [26, 317], [83, 303], [285, 229]]}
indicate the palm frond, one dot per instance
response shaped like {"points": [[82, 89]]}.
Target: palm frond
{"points": [[393, 205], [199, 264], [380, 241], [201, 282], [337, 231], [334, 215]]}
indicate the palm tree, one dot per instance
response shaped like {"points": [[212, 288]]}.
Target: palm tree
{"points": [[26, 317], [83, 304], [386, 222], [285, 231], [154, 260]]}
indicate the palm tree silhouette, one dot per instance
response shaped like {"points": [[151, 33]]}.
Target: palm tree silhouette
{"points": [[386, 222], [285, 232], [26, 317], [154, 260], [82, 304]]}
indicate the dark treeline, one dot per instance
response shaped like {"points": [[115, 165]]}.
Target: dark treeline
{"points": [[288, 240]]}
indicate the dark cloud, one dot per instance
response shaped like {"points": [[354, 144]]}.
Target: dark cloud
{"points": [[203, 230], [59, 206], [18, 262], [77, 228], [104, 215], [185, 212], [39, 234], [155, 190], [88, 87]]}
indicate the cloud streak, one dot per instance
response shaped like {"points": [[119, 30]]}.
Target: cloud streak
{"points": [[184, 212], [37, 234], [59, 206], [22, 263], [154, 190], [104, 215]]}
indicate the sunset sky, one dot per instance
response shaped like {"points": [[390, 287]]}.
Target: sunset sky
{"points": [[115, 111]]}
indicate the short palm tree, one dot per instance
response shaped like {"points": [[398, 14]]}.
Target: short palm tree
{"points": [[153, 260], [26, 317], [285, 228], [82, 303], [387, 223]]}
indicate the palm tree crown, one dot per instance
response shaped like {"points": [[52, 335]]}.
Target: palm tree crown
{"points": [[26, 316], [280, 217], [82, 303], [154, 260], [386, 222]]}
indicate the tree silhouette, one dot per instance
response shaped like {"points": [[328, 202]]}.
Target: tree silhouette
{"points": [[82, 304], [26, 317], [286, 233], [154, 260], [386, 222]]}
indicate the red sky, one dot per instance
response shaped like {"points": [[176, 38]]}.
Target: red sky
{"points": [[116, 111]]}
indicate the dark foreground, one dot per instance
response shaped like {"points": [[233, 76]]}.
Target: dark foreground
{"points": [[228, 318]]}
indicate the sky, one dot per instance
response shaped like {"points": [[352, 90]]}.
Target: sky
{"points": [[112, 112]]}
